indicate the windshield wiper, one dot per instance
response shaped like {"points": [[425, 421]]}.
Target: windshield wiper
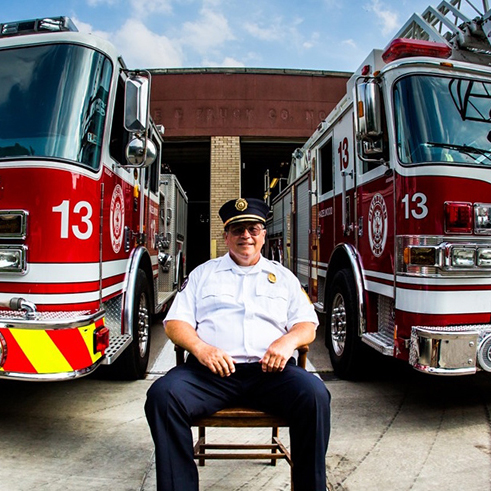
{"points": [[467, 149]]}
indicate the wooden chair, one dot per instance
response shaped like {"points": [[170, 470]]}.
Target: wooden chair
{"points": [[242, 417]]}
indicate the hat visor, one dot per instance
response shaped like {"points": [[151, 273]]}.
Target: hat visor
{"points": [[244, 218]]}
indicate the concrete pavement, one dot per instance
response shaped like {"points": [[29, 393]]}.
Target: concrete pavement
{"points": [[396, 430]]}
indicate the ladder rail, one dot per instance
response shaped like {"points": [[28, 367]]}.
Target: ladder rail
{"points": [[448, 23]]}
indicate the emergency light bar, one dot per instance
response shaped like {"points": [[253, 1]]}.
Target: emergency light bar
{"points": [[48, 24], [404, 48]]}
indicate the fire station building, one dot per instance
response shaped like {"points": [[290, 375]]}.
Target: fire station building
{"points": [[232, 132]]}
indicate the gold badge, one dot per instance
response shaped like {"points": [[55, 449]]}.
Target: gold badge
{"points": [[271, 278], [241, 204]]}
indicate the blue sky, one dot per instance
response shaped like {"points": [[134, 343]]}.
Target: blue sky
{"points": [[301, 34]]}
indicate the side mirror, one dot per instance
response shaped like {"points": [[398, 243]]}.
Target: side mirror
{"points": [[136, 102], [369, 110], [140, 153], [369, 117]]}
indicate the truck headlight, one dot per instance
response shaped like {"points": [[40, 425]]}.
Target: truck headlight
{"points": [[463, 257], [13, 259], [484, 257], [482, 219]]}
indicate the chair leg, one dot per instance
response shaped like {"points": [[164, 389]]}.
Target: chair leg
{"points": [[273, 441], [201, 443]]}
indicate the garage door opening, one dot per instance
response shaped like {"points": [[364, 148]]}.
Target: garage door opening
{"points": [[190, 162], [265, 167]]}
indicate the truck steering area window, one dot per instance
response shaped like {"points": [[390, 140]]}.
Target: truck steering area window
{"points": [[53, 102], [443, 120]]}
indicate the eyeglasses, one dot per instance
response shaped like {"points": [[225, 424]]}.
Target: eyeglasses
{"points": [[240, 229]]}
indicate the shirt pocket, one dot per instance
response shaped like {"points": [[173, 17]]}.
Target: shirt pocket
{"points": [[218, 294], [272, 302]]}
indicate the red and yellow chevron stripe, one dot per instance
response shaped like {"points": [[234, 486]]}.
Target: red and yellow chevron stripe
{"points": [[49, 351]]}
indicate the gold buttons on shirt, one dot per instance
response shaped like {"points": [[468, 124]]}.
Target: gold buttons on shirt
{"points": [[271, 278]]}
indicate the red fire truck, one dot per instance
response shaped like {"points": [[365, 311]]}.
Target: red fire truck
{"points": [[386, 219], [92, 236]]}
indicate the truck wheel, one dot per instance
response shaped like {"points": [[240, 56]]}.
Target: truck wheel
{"points": [[342, 338], [134, 360]]}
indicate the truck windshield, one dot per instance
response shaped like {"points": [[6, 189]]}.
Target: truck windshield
{"points": [[53, 102], [443, 119]]}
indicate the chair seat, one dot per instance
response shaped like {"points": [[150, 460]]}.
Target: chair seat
{"points": [[241, 417]]}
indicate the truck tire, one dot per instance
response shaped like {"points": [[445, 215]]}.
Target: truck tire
{"points": [[342, 339], [134, 360]]}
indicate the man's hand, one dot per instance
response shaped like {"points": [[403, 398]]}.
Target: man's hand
{"points": [[278, 354], [217, 360], [281, 350], [185, 336]]}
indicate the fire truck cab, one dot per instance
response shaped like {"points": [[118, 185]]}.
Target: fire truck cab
{"points": [[387, 216], [92, 236]]}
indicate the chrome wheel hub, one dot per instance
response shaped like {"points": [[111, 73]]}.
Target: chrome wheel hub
{"points": [[338, 324]]}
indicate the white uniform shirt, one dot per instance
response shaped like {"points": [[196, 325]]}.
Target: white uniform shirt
{"points": [[242, 311]]}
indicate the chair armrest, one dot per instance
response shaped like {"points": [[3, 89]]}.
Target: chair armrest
{"points": [[179, 354]]}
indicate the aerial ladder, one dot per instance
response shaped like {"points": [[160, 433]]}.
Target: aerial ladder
{"points": [[460, 24]]}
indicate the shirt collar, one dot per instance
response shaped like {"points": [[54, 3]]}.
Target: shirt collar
{"points": [[227, 263]]}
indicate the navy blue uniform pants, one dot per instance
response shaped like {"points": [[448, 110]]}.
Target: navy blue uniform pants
{"points": [[191, 390]]}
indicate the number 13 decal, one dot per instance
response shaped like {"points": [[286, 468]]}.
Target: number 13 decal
{"points": [[82, 208], [417, 206], [343, 154]]}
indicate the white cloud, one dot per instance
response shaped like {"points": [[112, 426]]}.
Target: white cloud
{"points": [[95, 3], [227, 62], [389, 19], [143, 8], [88, 29], [313, 42], [349, 42], [143, 48], [211, 31], [274, 32]]}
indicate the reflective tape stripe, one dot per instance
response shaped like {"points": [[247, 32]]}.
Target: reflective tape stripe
{"points": [[16, 358], [41, 351], [51, 351]]}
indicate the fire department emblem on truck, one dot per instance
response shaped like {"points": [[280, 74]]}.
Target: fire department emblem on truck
{"points": [[377, 225], [116, 219]]}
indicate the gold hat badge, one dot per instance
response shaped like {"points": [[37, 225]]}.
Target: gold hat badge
{"points": [[241, 204]]}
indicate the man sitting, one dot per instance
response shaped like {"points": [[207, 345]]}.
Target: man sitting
{"points": [[240, 317]]}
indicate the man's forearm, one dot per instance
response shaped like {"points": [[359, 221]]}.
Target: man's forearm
{"points": [[303, 333], [182, 334], [185, 336]]}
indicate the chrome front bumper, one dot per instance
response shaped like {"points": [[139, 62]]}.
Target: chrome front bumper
{"points": [[451, 350]]}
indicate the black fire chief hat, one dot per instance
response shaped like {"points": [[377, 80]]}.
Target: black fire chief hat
{"points": [[243, 210]]}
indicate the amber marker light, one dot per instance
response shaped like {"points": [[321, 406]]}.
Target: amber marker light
{"points": [[420, 256]]}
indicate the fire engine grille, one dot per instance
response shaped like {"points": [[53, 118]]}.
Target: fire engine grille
{"points": [[383, 339], [113, 315], [386, 316], [321, 287], [8, 315]]}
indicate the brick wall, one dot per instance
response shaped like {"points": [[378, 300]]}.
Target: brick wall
{"points": [[225, 184]]}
